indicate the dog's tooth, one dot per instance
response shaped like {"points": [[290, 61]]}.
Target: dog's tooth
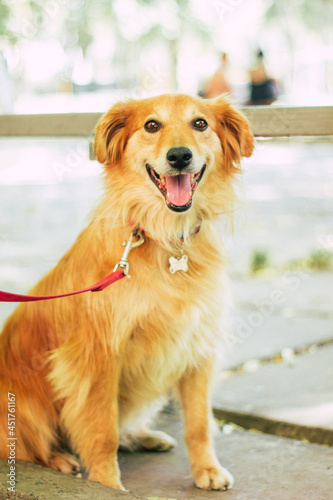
{"points": [[191, 178], [162, 179]]}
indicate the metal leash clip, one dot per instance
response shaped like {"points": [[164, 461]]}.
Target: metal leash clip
{"points": [[123, 263]]}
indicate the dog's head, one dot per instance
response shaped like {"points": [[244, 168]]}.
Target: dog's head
{"points": [[173, 152]]}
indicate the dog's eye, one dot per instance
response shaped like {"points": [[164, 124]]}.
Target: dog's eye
{"points": [[152, 126], [200, 124]]}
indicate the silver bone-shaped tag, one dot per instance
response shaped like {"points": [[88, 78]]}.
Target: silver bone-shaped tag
{"points": [[178, 264]]}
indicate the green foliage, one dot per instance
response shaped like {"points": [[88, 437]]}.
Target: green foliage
{"points": [[4, 16], [312, 14], [320, 260], [259, 261]]}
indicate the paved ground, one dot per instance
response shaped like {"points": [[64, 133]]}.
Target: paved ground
{"points": [[291, 310], [299, 392], [277, 373], [34, 482], [264, 468]]}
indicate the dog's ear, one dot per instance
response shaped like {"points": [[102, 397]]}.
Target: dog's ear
{"points": [[233, 130], [111, 133]]}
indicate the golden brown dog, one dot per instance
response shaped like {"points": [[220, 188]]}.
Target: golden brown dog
{"points": [[90, 371]]}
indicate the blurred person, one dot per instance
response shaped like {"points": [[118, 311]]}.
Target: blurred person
{"points": [[218, 83], [263, 88]]}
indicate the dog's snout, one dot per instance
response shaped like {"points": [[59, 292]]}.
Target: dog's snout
{"points": [[179, 158]]}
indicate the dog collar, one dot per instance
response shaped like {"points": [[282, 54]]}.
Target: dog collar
{"points": [[181, 238], [175, 263]]}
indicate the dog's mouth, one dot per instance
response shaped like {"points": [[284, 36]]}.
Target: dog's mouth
{"points": [[177, 189]]}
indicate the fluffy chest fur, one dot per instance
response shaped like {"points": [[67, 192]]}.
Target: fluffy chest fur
{"points": [[179, 325]]}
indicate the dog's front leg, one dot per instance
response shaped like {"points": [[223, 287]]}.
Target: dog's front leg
{"points": [[194, 390], [92, 423]]}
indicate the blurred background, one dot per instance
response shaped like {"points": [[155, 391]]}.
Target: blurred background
{"points": [[81, 55]]}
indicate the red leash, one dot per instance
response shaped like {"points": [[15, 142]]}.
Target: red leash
{"points": [[14, 297], [114, 276]]}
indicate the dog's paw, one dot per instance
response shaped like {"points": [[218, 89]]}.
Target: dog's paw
{"points": [[213, 478], [65, 462], [110, 480], [157, 441]]}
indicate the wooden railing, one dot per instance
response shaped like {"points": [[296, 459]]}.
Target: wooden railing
{"points": [[266, 121]]}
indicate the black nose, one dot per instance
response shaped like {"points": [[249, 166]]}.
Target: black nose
{"points": [[179, 158]]}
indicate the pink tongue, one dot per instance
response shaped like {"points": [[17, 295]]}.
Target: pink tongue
{"points": [[179, 190]]}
